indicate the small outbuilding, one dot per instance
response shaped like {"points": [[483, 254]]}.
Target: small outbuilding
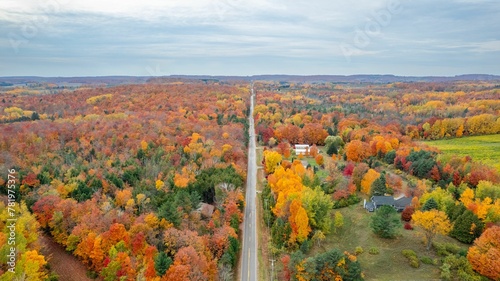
{"points": [[301, 149]]}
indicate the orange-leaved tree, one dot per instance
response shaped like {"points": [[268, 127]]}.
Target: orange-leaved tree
{"points": [[299, 221], [484, 256], [368, 179], [319, 159], [357, 150]]}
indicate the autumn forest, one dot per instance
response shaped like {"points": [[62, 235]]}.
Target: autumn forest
{"points": [[146, 181]]}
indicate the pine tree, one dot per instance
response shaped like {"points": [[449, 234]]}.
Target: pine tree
{"points": [[467, 227], [162, 263], [385, 222], [430, 204], [378, 187], [332, 149], [454, 211]]}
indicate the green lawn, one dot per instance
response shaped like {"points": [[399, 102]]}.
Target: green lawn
{"points": [[484, 149], [389, 264]]}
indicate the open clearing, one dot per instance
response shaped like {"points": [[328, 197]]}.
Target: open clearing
{"points": [[67, 266], [389, 264], [484, 149]]}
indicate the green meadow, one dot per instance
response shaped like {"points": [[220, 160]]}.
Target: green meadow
{"points": [[484, 149]]}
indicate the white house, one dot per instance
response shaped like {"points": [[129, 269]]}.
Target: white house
{"points": [[301, 149]]}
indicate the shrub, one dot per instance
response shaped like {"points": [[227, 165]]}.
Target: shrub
{"points": [[452, 248], [412, 258], [414, 262], [407, 212], [344, 202], [409, 253], [53, 277], [426, 260], [358, 250], [458, 268], [440, 249], [408, 226], [445, 249], [446, 272], [374, 251]]}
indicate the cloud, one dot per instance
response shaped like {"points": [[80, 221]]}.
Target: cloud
{"points": [[57, 36]]}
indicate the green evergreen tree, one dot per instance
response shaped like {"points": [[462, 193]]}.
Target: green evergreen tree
{"points": [[385, 222], [280, 232], [430, 204], [467, 227], [230, 256], [162, 263], [390, 156], [379, 186], [168, 211], [454, 211], [35, 116], [332, 149]]}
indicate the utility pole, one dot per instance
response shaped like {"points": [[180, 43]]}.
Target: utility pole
{"points": [[272, 269]]}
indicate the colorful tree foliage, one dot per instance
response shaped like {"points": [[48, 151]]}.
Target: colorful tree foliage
{"points": [[432, 222], [484, 255], [141, 159]]}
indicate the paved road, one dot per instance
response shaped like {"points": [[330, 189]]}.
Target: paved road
{"points": [[249, 249]]}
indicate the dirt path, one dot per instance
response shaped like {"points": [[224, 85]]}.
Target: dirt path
{"points": [[63, 263]]}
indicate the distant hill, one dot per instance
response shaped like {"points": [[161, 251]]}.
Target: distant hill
{"points": [[361, 78], [105, 80]]}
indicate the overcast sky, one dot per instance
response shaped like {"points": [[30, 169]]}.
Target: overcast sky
{"points": [[237, 37]]}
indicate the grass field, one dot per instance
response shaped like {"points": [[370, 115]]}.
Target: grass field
{"points": [[484, 149], [389, 264]]}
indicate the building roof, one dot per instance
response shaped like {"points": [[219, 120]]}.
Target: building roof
{"points": [[301, 146], [402, 202], [383, 200], [370, 206]]}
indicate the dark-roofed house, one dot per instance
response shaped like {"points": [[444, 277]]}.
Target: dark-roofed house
{"points": [[370, 206], [377, 201], [401, 203]]}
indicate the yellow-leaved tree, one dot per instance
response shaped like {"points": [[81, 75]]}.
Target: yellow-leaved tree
{"points": [[30, 264], [432, 222], [299, 221], [467, 197], [272, 159]]}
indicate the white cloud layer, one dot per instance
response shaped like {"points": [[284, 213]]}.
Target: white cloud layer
{"points": [[61, 37]]}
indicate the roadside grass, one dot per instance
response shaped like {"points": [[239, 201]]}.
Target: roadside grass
{"points": [[259, 154], [389, 264], [484, 149], [263, 240], [262, 230]]}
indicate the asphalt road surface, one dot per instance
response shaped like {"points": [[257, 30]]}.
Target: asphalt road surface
{"points": [[249, 249]]}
